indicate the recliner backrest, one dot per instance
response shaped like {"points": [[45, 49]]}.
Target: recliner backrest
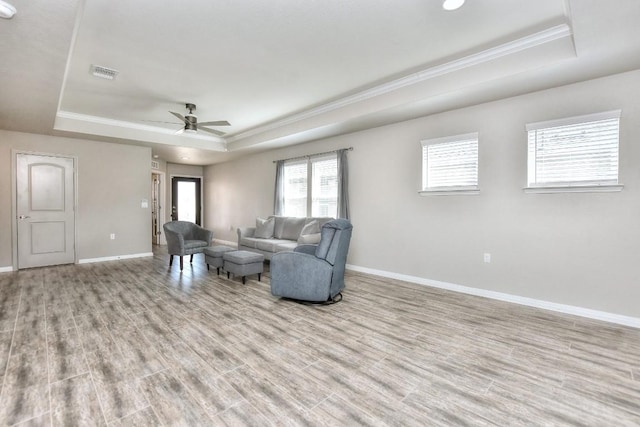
{"points": [[334, 241]]}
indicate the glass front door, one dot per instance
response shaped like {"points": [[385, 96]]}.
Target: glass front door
{"points": [[185, 199]]}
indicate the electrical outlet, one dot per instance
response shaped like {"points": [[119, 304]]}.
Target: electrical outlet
{"points": [[487, 258], [113, 236]]}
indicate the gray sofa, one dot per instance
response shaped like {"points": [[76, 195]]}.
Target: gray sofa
{"points": [[279, 233]]}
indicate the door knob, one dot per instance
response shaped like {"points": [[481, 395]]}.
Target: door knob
{"points": [[24, 217]]}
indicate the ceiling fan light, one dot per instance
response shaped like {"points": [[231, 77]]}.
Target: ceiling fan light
{"points": [[187, 130], [6, 10], [452, 4]]}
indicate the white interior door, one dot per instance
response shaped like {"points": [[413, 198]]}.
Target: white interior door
{"points": [[45, 208]]}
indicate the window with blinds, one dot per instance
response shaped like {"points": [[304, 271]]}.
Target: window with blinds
{"points": [[450, 163], [324, 190], [311, 187], [577, 151], [295, 188]]}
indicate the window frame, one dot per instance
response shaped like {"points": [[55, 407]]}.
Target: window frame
{"points": [[309, 162], [452, 189], [574, 186]]}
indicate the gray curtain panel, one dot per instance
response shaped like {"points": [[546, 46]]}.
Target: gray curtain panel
{"points": [[278, 201], [343, 184]]}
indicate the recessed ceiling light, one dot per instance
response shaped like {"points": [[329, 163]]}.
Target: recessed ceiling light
{"points": [[184, 158], [155, 156], [452, 4], [6, 10]]}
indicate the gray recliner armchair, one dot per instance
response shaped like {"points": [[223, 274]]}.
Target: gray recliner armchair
{"points": [[314, 273], [185, 238]]}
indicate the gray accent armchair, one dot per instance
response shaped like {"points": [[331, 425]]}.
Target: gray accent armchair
{"points": [[313, 273], [185, 238]]}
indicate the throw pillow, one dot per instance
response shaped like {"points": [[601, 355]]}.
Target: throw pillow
{"points": [[264, 228], [309, 239], [311, 228], [292, 228]]}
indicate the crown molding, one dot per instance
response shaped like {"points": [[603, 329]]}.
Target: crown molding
{"points": [[524, 43], [133, 126]]}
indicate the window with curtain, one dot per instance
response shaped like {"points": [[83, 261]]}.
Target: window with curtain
{"points": [[295, 188], [311, 187], [450, 164], [576, 151]]}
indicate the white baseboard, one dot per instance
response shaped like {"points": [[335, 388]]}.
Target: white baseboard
{"points": [[114, 258], [225, 242], [6, 269], [531, 302]]}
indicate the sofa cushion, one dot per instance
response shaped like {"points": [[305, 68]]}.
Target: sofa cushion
{"points": [[279, 226], [264, 228], [289, 246], [309, 239], [292, 228], [249, 242], [192, 244], [269, 245]]}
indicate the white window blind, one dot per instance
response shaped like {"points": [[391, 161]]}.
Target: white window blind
{"points": [[574, 151], [324, 190], [311, 187], [450, 163], [295, 188]]}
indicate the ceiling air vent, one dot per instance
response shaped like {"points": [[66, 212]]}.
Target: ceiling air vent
{"points": [[103, 72]]}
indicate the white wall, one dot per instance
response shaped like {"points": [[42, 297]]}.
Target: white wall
{"points": [[112, 181], [579, 249]]}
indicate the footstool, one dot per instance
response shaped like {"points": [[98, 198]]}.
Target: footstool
{"points": [[213, 256], [243, 263]]}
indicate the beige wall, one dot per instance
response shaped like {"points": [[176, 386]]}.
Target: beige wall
{"points": [[174, 169], [112, 181], [579, 249]]}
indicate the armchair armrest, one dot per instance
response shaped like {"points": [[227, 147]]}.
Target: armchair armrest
{"points": [[201, 233], [175, 242], [245, 232], [306, 249]]}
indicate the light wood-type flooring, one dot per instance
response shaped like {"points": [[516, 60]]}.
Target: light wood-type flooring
{"points": [[135, 343]]}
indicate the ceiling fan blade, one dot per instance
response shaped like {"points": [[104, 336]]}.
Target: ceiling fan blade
{"points": [[213, 131], [218, 123], [180, 116], [179, 132], [160, 121]]}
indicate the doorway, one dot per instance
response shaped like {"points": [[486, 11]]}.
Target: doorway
{"points": [[157, 207], [186, 199], [45, 210]]}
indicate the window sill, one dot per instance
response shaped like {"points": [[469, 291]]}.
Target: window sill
{"points": [[451, 192], [609, 188]]}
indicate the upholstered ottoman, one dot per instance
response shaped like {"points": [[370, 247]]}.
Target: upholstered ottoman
{"points": [[213, 256], [243, 263]]}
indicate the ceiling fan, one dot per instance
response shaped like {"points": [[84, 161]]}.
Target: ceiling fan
{"points": [[191, 124]]}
